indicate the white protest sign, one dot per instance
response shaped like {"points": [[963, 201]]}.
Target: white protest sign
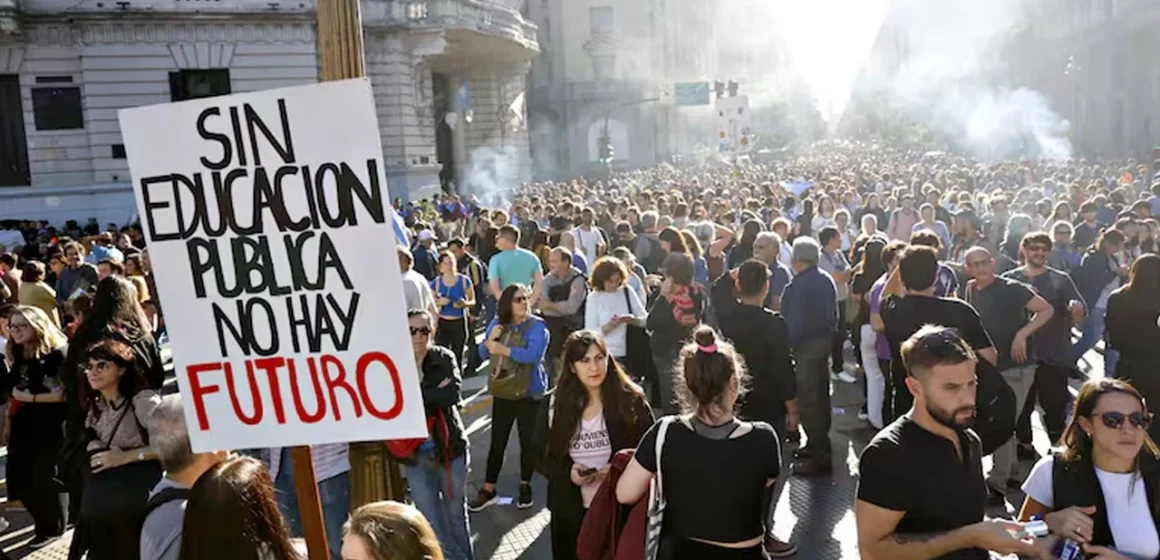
{"points": [[267, 221]]}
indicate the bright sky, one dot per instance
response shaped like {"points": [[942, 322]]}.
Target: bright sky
{"points": [[830, 41]]}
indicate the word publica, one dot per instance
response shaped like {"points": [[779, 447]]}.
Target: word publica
{"points": [[326, 189], [331, 389]]}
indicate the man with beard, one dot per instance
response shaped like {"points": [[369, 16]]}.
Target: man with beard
{"points": [[909, 302], [1012, 313], [921, 494], [1052, 342]]}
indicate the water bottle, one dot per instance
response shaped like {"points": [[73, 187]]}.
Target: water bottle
{"points": [[1068, 549]]}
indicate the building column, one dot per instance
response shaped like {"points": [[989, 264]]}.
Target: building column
{"points": [[497, 139], [404, 100]]}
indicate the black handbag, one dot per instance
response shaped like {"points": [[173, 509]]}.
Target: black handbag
{"points": [[639, 356], [119, 494]]}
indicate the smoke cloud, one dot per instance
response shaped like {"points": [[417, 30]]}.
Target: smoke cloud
{"points": [[942, 65]]}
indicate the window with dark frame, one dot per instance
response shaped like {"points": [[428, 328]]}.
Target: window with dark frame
{"points": [[57, 108], [198, 84]]}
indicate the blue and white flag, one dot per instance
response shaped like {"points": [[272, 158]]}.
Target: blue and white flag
{"points": [[402, 234]]}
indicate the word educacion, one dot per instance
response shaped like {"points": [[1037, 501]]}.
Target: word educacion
{"points": [[321, 379]]}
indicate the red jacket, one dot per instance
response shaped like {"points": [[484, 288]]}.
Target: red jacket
{"points": [[612, 531]]}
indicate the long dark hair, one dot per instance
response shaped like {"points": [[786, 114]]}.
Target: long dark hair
{"points": [[872, 258], [504, 306], [232, 515], [1076, 443], [618, 393], [116, 352], [115, 307], [1144, 278]]}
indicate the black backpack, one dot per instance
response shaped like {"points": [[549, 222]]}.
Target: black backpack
{"points": [[995, 410]]}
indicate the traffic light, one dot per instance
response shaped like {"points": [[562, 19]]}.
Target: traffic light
{"points": [[606, 150], [733, 88]]}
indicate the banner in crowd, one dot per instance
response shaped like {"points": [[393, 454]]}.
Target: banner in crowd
{"points": [[270, 233]]}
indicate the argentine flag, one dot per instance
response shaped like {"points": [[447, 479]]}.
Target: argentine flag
{"points": [[402, 234]]}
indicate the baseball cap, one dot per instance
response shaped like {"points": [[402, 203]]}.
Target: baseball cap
{"points": [[426, 235]]}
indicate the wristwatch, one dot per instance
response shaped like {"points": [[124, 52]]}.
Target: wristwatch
{"points": [[140, 455]]}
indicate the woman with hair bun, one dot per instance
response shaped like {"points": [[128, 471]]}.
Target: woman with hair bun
{"points": [[725, 516]]}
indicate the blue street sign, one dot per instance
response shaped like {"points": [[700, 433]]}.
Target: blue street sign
{"points": [[691, 93]]}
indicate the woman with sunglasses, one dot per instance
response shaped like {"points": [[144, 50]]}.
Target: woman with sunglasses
{"points": [[515, 343], [437, 470], [1100, 488], [35, 350], [454, 294]]}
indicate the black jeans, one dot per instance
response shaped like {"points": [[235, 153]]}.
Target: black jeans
{"points": [[504, 413], [813, 395], [452, 335], [1050, 390], [565, 527]]}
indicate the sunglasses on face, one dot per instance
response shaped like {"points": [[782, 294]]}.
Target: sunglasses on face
{"points": [[425, 331], [519, 299], [945, 344], [1113, 420], [99, 365]]}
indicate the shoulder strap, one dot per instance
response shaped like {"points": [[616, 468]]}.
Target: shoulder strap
{"points": [[627, 299], [161, 498], [109, 440], [662, 433]]}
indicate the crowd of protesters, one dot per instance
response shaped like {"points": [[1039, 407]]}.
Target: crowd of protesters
{"points": [[665, 342], [729, 299]]}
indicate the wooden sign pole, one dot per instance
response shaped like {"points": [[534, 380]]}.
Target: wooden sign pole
{"points": [[309, 503], [340, 53]]}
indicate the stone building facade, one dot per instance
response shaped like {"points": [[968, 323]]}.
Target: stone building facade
{"points": [[68, 66]]}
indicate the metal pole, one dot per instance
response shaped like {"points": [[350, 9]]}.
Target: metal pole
{"points": [[374, 476]]}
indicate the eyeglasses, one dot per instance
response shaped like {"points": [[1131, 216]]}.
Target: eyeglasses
{"points": [[519, 299], [425, 331], [98, 365], [1113, 420]]}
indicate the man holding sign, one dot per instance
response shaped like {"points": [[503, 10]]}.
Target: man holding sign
{"points": [[259, 211]]}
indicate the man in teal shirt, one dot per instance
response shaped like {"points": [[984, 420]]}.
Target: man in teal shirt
{"points": [[513, 265]]}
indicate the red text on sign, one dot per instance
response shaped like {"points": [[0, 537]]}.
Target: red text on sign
{"points": [[331, 388]]}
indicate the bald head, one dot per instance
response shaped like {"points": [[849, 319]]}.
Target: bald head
{"points": [[979, 263], [976, 253]]}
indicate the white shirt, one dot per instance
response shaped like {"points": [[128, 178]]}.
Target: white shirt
{"points": [[416, 291], [587, 241], [602, 307], [1125, 500], [593, 449]]}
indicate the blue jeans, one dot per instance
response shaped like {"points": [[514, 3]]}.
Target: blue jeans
{"points": [[334, 493], [1093, 330], [444, 507]]}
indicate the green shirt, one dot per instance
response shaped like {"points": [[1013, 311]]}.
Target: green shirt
{"points": [[518, 266]]}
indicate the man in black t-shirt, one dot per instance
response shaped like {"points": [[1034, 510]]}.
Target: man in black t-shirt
{"points": [[908, 304], [921, 492]]}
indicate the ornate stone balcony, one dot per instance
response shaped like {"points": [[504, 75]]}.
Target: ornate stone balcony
{"points": [[9, 17], [468, 25]]}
